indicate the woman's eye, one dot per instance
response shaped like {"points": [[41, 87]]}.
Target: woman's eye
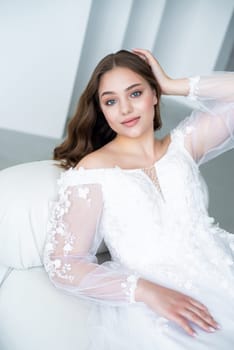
{"points": [[110, 102], [136, 94]]}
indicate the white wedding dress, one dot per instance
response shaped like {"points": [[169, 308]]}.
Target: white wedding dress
{"points": [[155, 227]]}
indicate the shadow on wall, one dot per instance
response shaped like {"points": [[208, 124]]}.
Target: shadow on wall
{"points": [[17, 147]]}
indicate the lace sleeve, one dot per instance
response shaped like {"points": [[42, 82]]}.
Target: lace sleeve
{"points": [[209, 131], [73, 240]]}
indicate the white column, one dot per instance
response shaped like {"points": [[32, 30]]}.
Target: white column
{"points": [[144, 23]]}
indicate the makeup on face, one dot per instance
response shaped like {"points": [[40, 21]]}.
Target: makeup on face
{"points": [[126, 99]]}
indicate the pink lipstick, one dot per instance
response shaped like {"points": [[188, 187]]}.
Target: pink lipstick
{"points": [[131, 122]]}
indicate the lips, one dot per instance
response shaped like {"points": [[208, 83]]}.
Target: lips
{"points": [[130, 121]]}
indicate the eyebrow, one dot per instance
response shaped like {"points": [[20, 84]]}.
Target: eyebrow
{"points": [[127, 89]]}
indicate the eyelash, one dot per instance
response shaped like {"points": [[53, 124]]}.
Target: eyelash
{"points": [[138, 93], [134, 94], [109, 102]]}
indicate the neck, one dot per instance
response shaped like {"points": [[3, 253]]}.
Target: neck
{"points": [[144, 147]]}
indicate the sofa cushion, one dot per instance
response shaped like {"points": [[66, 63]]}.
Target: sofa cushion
{"points": [[37, 316], [26, 193]]}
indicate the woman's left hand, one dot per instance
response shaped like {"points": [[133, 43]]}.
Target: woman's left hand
{"points": [[162, 78]]}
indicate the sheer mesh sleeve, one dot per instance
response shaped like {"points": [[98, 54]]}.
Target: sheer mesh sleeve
{"points": [[209, 131], [73, 240]]}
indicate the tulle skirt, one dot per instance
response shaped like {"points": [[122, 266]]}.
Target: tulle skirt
{"points": [[136, 327]]}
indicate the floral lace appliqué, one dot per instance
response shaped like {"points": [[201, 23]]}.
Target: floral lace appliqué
{"points": [[55, 265], [193, 87]]}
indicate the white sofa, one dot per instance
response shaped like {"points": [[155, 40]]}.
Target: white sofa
{"points": [[34, 315]]}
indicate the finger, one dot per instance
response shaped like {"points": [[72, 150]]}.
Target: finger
{"points": [[198, 320], [141, 55], [205, 315], [198, 304], [145, 53], [141, 50], [181, 321], [203, 308]]}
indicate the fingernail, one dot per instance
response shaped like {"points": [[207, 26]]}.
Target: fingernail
{"points": [[211, 329]]}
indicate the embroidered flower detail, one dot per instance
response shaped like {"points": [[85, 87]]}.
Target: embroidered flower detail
{"points": [[57, 263], [193, 87], [83, 192], [189, 129], [59, 232], [60, 229], [67, 248], [66, 267], [129, 287]]}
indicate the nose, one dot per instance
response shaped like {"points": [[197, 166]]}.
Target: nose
{"points": [[125, 106]]}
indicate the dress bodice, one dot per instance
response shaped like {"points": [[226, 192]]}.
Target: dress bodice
{"points": [[135, 209], [158, 236]]}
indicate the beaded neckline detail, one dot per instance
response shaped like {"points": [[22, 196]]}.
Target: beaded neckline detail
{"points": [[152, 174]]}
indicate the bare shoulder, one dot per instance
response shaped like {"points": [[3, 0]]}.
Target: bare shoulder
{"points": [[164, 143], [96, 160], [166, 140]]}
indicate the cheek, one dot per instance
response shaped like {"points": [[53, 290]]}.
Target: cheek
{"points": [[109, 115], [148, 104]]}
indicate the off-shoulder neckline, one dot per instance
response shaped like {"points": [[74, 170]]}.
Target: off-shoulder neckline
{"points": [[117, 167]]}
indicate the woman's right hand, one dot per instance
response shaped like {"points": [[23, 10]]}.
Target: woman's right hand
{"points": [[162, 78], [167, 85], [175, 306]]}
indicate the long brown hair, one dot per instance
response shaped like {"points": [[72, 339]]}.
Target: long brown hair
{"points": [[88, 129]]}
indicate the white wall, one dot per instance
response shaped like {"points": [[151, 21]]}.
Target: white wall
{"points": [[42, 70], [108, 23], [41, 42], [191, 35]]}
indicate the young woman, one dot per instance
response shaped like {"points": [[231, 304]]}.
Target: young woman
{"points": [[170, 281]]}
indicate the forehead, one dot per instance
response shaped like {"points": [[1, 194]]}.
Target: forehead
{"points": [[119, 78]]}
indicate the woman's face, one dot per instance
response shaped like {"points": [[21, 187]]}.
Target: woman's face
{"points": [[127, 102]]}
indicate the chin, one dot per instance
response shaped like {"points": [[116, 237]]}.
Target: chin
{"points": [[134, 134]]}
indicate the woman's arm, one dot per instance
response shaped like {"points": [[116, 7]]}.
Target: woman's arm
{"points": [[209, 130], [72, 243], [219, 86]]}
